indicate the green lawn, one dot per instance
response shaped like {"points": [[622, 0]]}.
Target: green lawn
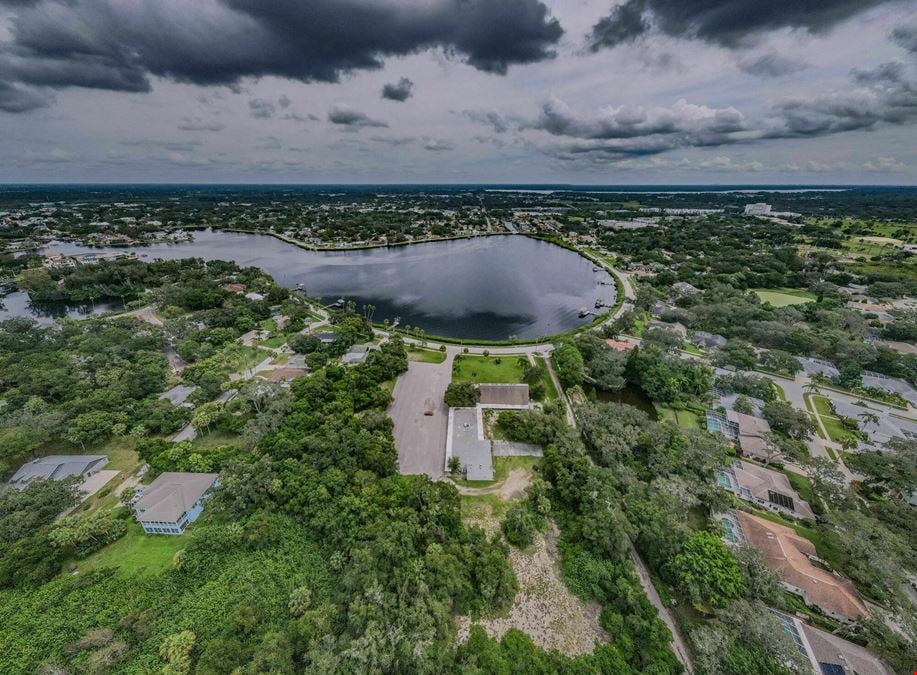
{"points": [[683, 418], [487, 369], [837, 432], [822, 405], [550, 391], [214, 439], [785, 297], [692, 349], [137, 553], [801, 484], [426, 355], [502, 467]]}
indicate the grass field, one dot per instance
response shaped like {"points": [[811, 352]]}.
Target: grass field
{"points": [[785, 297], [837, 432], [487, 369], [137, 553], [214, 439], [550, 391], [683, 418], [502, 467], [426, 355]]}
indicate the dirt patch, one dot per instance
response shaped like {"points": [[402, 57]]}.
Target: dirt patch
{"points": [[513, 487], [544, 608]]}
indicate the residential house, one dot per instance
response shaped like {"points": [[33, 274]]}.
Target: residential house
{"points": [[172, 501], [684, 288], [764, 487], [659, 308], [829, 654], [748, 432], [326, 337], [678, 328], [793, 558], [58, 467], [621, 345], [707, 340], [358, 353]]}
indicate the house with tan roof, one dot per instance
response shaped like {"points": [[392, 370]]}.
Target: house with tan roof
{"points": [[621, 345], [172, 501], [793, 558], [764, 487]]}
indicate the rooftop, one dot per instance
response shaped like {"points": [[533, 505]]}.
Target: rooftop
{"points": [[468, 444], [58, 467], [504, 394], [171, 495], [788, 554], [769, 486]]}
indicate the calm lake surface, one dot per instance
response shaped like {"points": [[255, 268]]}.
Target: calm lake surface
{"points": [[19, 304], [487, 288]]}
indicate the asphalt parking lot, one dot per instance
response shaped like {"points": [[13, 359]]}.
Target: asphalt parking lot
{"points": [[421, 439]]}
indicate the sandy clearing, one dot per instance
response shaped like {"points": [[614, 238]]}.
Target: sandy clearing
{"points": [[544, 608], [513, 487]]}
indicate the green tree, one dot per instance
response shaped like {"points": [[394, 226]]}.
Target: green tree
{"points": [[706, 571], [462, 395], [569, 364]]}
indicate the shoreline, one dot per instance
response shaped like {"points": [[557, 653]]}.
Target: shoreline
{"points": [[598, 319]]}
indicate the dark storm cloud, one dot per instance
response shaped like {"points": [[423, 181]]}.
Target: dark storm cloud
{"points": [[906, 37], [884, 95], [399, 91], [14, 99], [346, 116], [770, 65], [120, 45], [724, 22]]}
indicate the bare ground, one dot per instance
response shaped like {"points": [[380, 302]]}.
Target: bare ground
{"points": [[544, 608], [512, 488]]}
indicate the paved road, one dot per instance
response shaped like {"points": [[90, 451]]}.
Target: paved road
{"points": [[421, 439]]}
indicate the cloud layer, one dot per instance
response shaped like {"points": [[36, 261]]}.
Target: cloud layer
{"points": [[120, 44], [729, 23]]}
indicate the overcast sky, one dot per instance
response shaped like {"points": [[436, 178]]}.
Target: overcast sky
{"points": [[498, 91]]}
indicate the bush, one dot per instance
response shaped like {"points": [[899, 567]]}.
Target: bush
{"points": [[519, 525]]}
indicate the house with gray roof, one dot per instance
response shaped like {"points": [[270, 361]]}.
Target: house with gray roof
{"points": [[829, 654], [707, 340], [172, 501], [358, 353], [58, 467], [764, 487]]}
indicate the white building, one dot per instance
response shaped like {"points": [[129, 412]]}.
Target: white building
{"points": [[759, 209]]}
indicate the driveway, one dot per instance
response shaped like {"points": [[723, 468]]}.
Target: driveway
{"points": [[421, 439]]}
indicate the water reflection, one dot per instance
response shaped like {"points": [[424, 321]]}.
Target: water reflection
{"points": [[486, 288]]}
